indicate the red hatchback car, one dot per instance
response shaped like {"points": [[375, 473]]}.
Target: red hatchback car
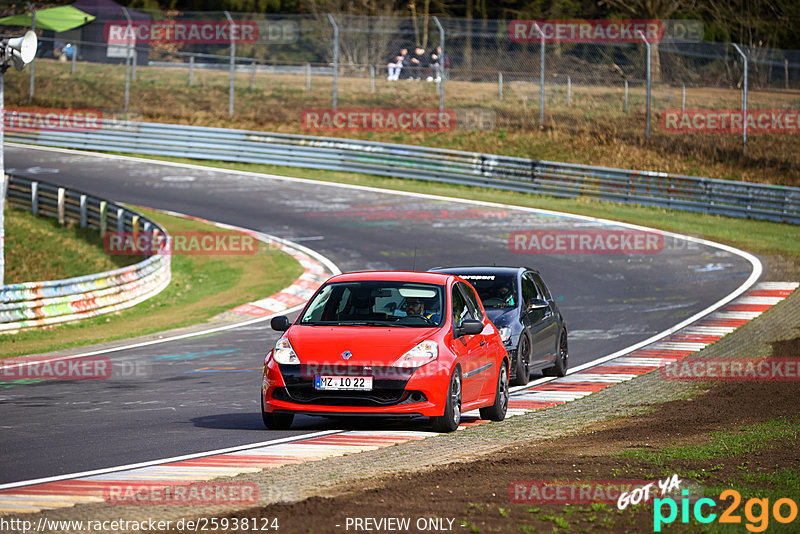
{"points": [[387, 344]]}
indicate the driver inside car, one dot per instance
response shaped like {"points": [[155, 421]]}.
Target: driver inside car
{"points": [[416, 306]]}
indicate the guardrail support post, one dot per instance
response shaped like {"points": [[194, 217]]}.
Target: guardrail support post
{"points": [[135, 226], [647, 44], [442, 63], [83, 211], [335, 61], [232, 65], [744, 99], [120, 220], [35, 198], [103, 220], [62, 197]]}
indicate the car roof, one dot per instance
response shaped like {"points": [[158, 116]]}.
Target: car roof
{"points": [[483, 269], [394, 276]]}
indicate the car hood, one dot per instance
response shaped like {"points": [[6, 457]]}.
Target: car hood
{"points": [[369, 345], [502, 316]]}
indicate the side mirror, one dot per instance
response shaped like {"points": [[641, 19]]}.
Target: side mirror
{"points": [[469, 327], [280, 323], [537, 304]]}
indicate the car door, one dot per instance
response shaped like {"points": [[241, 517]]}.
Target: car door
{"points": [[468, 347], [554, 330], [487, 359], [539, 322]]}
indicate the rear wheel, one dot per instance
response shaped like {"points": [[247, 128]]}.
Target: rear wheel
{"points": [[276, 421], [562, 358], [522, 366], [497, 411], [452, 410]]}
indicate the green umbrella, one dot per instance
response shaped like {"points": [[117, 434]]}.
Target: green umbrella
{"points": [[58, 19]]}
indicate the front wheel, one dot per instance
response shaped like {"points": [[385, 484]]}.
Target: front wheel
{"points": [[559, 368], [452, 410], [276, 421], [523, 362], [497, 411]]}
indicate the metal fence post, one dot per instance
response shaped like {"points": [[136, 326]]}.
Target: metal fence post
{"points": [[541, 74], [683, 100], [253, 76], [500, 86], [647, 44], [569, 91], [744, 99], [3, 183], [33, 27], [191, 70], [232, 65], [372, 78], [308, 77], [129, 33], [335, 60], [35, 198], [442, 63], [625, 107], [74, 55]]}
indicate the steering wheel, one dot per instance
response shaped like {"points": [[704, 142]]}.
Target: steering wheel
{"points": [[494, 301], [428, 321]]}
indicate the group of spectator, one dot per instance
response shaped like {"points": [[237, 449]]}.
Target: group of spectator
{"points": [[417, 65]]}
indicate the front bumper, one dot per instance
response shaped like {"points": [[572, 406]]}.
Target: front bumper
{"points": [[395, 391]]}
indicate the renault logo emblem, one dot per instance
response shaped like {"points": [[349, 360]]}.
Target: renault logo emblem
{"points": [[347, 354]]}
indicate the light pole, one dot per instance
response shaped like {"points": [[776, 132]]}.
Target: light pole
{"points": [[20, 51]]}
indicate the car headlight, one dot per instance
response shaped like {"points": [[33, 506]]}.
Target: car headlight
{"points": [[423, 353], [284, 353], [505, 334]]}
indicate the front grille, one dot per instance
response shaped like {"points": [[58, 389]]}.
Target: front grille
{"points": [[374, 398]]}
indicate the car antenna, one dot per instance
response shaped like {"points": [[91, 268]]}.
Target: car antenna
{"points": [[414, 261]]}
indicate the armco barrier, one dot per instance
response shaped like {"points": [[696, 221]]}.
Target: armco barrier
{"points": [[688, 193], [45, 303]]}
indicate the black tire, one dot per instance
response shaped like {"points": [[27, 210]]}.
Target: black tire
{"points": [[276, 421], [559, 368], [452, 409], [522, 367], [497, 411]]}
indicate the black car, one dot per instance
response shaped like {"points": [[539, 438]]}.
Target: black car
{"points": [[522, 308]]}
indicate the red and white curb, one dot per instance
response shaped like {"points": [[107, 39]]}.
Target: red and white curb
{"points": [[321, 445]]}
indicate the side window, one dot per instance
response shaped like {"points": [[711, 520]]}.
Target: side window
{"points": [[460, 308], [528, 289], [541, 287], [472, 301]]}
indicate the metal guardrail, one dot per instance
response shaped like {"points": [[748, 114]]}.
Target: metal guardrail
{"points": [[45, 303], [687, 193]]}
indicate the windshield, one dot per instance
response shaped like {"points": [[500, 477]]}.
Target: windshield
{"points": [[376, 303], [495, 291]]}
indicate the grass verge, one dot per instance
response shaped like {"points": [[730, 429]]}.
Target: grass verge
{"points": [[201, 287], [38, 248]]}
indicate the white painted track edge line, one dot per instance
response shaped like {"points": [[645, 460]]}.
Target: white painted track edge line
{"points": [[149, 463]]}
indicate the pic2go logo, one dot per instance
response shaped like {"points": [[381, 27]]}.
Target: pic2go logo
{"points": [[757, 521]]}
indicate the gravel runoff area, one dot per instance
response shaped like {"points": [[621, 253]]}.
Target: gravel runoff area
{"points": [[284, 487]]}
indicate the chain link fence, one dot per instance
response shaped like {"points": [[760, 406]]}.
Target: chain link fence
{"points": [[491, 74]]}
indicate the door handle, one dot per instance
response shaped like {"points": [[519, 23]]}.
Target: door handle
{"points": [[483, 343]]}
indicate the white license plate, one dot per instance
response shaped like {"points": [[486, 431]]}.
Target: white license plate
{"points": [[336, 383]]}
